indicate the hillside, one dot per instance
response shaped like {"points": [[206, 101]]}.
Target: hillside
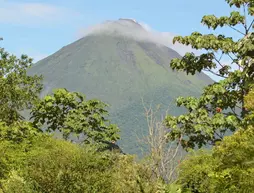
{"points": [[120, 69]]}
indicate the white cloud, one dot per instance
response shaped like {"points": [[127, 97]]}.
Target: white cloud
{"points": [[33, 13], [141, 32], [146, 26]]}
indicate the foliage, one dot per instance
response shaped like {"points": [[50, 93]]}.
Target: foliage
{"points": [[18, 132], [18, 91], [249, 105], [70, 112], [229, 168], [15, 184], [220, 108], [53, 165], [59, 166], [15, 140], [230, 165], [33, 161], [131, 176]]}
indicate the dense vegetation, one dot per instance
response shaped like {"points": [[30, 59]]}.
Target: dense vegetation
{"points": [[32, 160], [221, 107]]}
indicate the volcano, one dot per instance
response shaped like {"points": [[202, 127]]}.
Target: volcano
{"points": [[121, 64]]}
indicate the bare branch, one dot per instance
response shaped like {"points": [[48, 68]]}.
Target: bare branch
{"points": [[239, 66], [245, 20], [163, 156], [237, 106], [218, 135], [250, 26], [221, 57], [230, 57], [233, 110], [208, 70], [218, 61], [236, 30]]}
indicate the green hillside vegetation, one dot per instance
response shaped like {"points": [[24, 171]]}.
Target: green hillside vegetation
{"points": [[120, 71], [33, 160]]}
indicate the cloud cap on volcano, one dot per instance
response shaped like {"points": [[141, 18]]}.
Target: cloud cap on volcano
{"points": [[138, 31]]}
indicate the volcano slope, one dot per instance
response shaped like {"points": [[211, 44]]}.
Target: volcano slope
{"points": [[120, 70]]}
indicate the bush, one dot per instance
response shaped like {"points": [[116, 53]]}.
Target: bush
{"points": [[52, 165], [228, 168]]}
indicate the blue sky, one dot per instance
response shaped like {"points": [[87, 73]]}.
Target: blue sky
{"points": [[41, 27]]}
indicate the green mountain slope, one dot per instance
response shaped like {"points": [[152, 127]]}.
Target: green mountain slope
{"points": [[120, 71]]}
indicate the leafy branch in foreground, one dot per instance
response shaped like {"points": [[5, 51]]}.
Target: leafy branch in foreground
{"points": [[228, 167], [220, 109], [70, 112], [18, 91]]}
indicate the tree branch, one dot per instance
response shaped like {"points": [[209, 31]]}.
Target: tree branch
{"points": [[218, 61], [207, 70], [236, 30], [233, 111], [221, 137], [220, 57], [245, 20], [239, 66], [238, 106], [250, 26], [230, 57]]}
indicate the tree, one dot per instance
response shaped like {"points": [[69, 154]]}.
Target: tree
{"points": [[18, 132], [70, 112], [229, 167], [18, 91], [163, 157], [220, 109]]}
